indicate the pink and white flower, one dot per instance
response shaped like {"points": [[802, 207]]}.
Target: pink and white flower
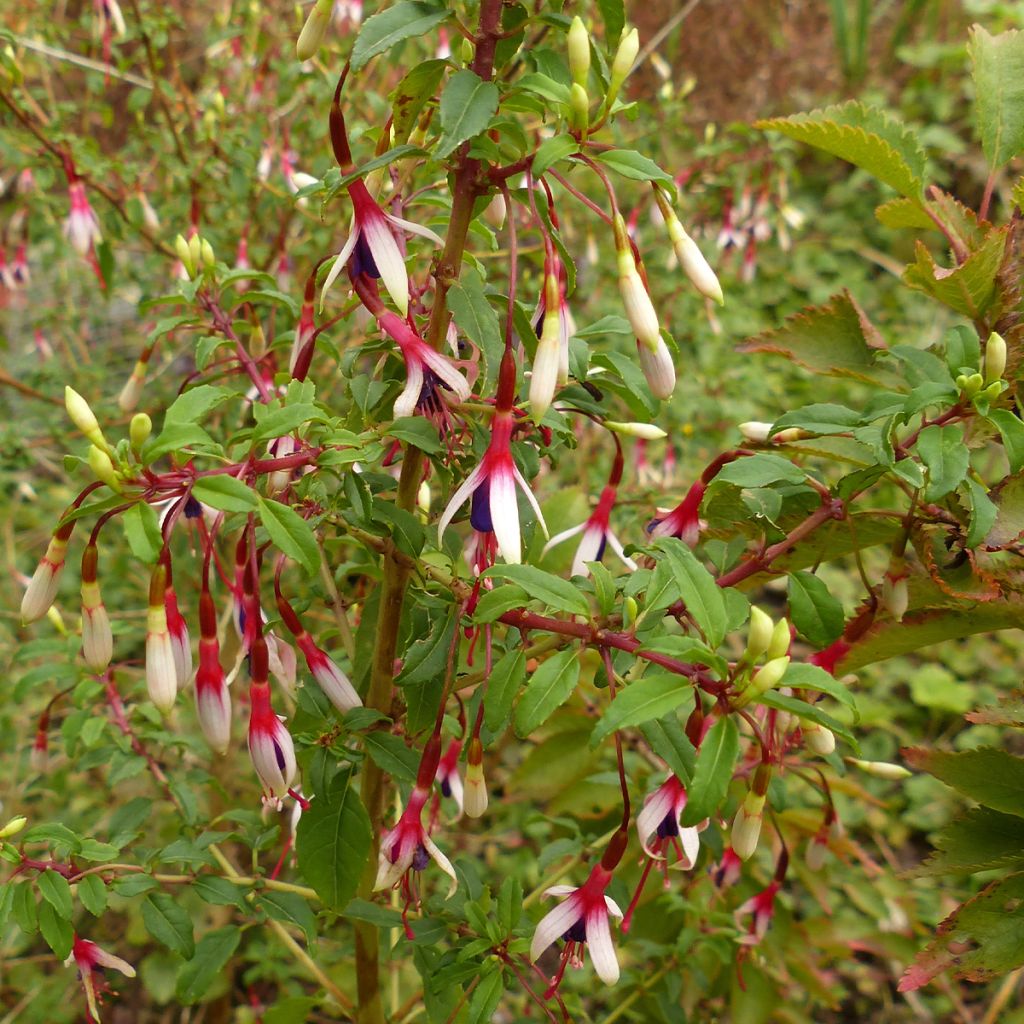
{"points": [[761, 909], [581, 919], [660, 819], [448, 778], [213, 703], [178, 630], [373, 248], [684, 520], [270, 744], [554, 325], [597, 534], [91, 960], [82, 226]]}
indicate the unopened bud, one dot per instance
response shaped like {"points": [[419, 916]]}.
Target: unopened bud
{"points": [[881, 769], [780, 641], [817, 851], [760, 633], [195, 251], [658, 368], [100, 464], [755, 430], [139, 430], [579, 108], [765, 678], [579, 51], [82, 416], [995, 358], [206, 251], [161, 674], [646, 431], [132, 390], [423, 498], [42, 588], [475, 791], [13, 827], [970, 383], [622, 64], [181, 247], [629, 612], [312, 35], [817, 738], [895, 594], [635, 298], [688, 253], [746, 826]]}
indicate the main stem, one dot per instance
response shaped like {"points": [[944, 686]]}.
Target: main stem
{"points": [[467, 187]]}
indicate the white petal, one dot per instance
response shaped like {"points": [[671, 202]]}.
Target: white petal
{"points": [[616, 546], [561, 890], [405, 403], [531, 499], [458, 499], [415, 229], [388, 258], [505, 516], [689, 839], [111, 962], [339, 263], [564, 535], [588, 550], [554, 924], [455, 785], [442, 862], [602, 952], [653, 814], [443, 369], [388, 874], [613, 907]]}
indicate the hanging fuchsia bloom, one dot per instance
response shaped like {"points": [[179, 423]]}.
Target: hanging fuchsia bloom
{"points": [[91, 961], [42, 589], [660, 819], [242, 260], [161, 668], [305, 334], [728, 870], [448, 778], [213, 704], [428, 373], [20, 272], [178, 631], [596, 535], [347, 15], [684, 520], [82, 227], [554, 325], [335, 684], [270, 744], [761, 908], [581, 919]]}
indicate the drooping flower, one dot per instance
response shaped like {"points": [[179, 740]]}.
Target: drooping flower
{"points": [[475, 801], [82, 226], [728, 870], [597, 534], [684, 520], [91, 960], [42, 589], [213, 703], [178, 630], [97, 639], [161, 669], [554, 325], [659, 820], [428, 373], [581, 919], [448, 778], [761, 909], [270, 743]]}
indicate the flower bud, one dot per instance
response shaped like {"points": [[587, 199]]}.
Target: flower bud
{"points": [[995, 358], [206, 253], [688, 253], [475, 791], [544, 377], [161, 674], [178, 631], [280, 448], [780, 641], [83, 418], [132, 390], [658, 368], [181, 247], [635, 298], [970, 383], [817, 851], [755, 430], [579, 51], [97, 638], [759, 635], [312, 35], [42, 588], [195, 250], [629, 612], [270, 744], [423, 498], [765, 679], [746, 826], [817, 738], [895, 594], [13, 827], [139, 430], [39, 755], [881, 769], [622, 64], [579, 109], [100, 464]]}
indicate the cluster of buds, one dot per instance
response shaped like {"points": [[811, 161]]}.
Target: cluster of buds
{"points": [[766, 639], [987, 384], [195, 254]]}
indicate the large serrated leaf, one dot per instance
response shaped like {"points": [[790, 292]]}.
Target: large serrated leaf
{"points": [[968, 288], [864, 136], [991, 776], [384, 30], [997, 66], [980, 840]]}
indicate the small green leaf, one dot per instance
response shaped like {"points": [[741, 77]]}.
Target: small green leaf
{"points": [[716, 759], [384, 30], [700, 593], [391, 755], [552, 590], [970, 287], [631, 164], [142, 530], [983, 513], [168, 922], [1011, 428], [486, 996], [56, 891], [802, 676], [92, 894], [503, 684], [815, 612], [811, 712], [413, 93], [670, 743], [418, 432], [467, 105], [649, 698], [945, 455], [225, 493], [548, 689], [56, 930], [550, 151], [475, 317], [997, 66], [219, 891], [290, 908], [192, 405], [213, 951], [761, 470], [333, 842], [290, 533]]}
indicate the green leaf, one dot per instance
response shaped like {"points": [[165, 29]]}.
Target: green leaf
{"points": [[761, 470], [817, 615], [945, 455], [142, 530], [290, 533], [997, 67], [968, 288], [1009, 524], [810, 712], [821, 418], [467, 105], [213, 951], [194, 404], [671, 744], [56, 930], [802, 676], [219, 891], [224, 492], [631, 164], [412, 93], [391, 755], [384, 30], [864, 136], [55, 890], [486, 996], [548, 689], [293, 1010], [427, 658], [497, 602], [649, 698], [614, 16], [980, 840], [904, 213], [417, 431], [983, 513], [700, 593], [173, 438], [551, 590], [991, 777], [92, 894], [1011, 429], [169, 922], [713, 771], [289, 908], [475, 317], [503, 684], [25, 909], [835, 339], [550, 151], [333, 842]]}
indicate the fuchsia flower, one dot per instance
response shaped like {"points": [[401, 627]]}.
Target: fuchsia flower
{"points": [[553, 324], [161, 668], [20, 272], [660, 819], [213, 704], [178, 631], [581, 919], [684, 520], [373, 247], [761, 908], [82, 227], [447, 776], [597, 534], [727, 871], [91, 960], [428, 373], [270, 744], [42, 589]]}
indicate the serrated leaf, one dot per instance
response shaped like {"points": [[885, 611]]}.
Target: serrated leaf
{"points": [[549, 688], [1011, 429], [213, 951], [946, 457], [997, 67], [225, 493], [970, 287], [815, 612], [497, 602], [983, 513], [980, 840], [712, 773], [556, 593], [864, 136], [503, 684], [290, 533], [467, 105], [333, 842], [836, 339], [647, 699], [761, 470], [697, 587], [903, 213], [990, 776], [384, 30], [427, 657], [194, 404], [805, 710], [412, 94], [168, 922], [801, 675], [486, 996]]}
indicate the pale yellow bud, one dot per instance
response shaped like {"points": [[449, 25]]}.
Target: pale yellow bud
{"points": [[181, 247], [780, 641], [313, 32], [100, 464], [579, 51], [995, 358], [13, 827], [139, 430], [881, 769], [82, 416], [623, 62], [647, 431], [759, 635]]}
